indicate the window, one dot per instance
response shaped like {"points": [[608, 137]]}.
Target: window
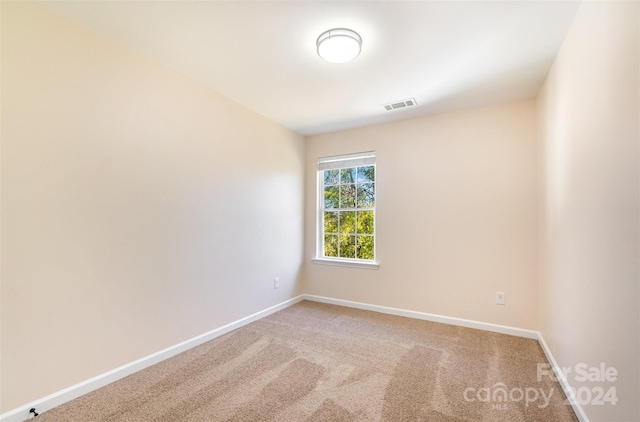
{"points": [[346, 210]]}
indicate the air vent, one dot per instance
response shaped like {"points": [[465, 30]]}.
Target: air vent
{"points": [[400, 104]]}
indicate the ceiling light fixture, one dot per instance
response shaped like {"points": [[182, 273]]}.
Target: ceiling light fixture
{"points": [[339, 45]]}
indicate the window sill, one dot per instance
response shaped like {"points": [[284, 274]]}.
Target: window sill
{"points": [[344, 263]]}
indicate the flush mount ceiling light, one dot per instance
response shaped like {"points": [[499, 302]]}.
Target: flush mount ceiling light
{"points": [[339, 45]]}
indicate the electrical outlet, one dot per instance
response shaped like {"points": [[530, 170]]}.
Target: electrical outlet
{"points": [[276, 282], [501, 298]]}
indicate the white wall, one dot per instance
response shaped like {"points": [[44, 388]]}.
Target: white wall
{"points": [[456, 215], [139, 209], [588, 121]]}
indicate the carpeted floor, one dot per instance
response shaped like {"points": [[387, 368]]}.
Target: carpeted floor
{"points": [[317, 362]]}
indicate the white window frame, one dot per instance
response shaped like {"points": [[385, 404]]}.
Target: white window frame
{"points": [[333, 163]]}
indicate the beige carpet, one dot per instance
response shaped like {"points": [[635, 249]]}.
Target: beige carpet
{"points": [[316, 362]]}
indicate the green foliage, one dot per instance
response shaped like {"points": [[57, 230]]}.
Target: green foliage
{"points": [[330, 245], [349, 234], [365, 222], [348, 196], [366, 195], [331, 222], [347, 222], [365, 247], [366, 174], [348, 175], [347, 246], [331, 177], [331, 195]]}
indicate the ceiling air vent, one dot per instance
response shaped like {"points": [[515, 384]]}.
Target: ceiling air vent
{"points": [[400, 104]]}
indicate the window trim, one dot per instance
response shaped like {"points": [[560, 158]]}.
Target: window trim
{"points": [[331, 163], [355, 263]]}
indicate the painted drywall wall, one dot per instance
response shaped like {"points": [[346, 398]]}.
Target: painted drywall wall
{"points": [[588, 121], [139, 209], [456, 215]]}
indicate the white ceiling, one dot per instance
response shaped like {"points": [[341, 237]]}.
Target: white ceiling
{"points": [[448, 55]]}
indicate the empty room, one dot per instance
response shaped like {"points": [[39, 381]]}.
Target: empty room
{"points": [[320, 211]]}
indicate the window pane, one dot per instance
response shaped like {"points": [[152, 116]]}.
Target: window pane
{"points": [[347, 246], [348, 175], [348, 212], [366, 174], [331, 222], [365, 222], [330, 245], [348, 196], [365, 247], [347, 222], [366, 195], [331, 177], [331, 197]]}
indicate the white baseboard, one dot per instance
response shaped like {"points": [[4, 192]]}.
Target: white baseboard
{"points": [[75, 391], [503, 329], [577, 408], [56, 399]]}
